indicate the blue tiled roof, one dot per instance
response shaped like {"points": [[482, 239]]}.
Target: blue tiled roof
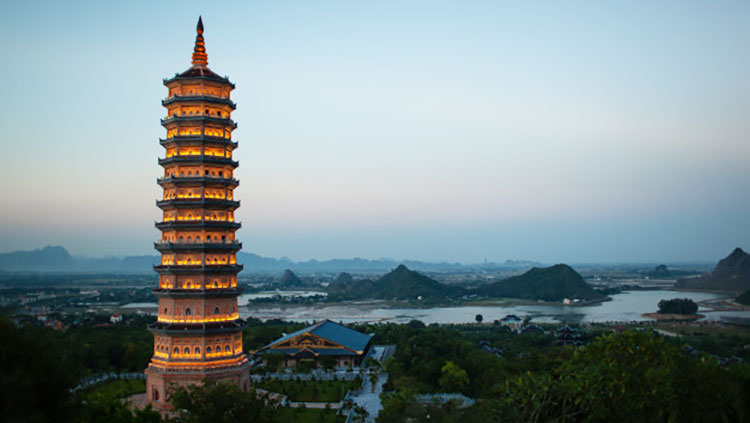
{"points": [[331, 331]]}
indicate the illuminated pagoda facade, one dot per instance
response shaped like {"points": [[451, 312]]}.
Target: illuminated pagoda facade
{"points": [[198, 332]]}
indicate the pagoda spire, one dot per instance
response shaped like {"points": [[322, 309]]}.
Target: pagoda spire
{"points": [[200, 58]]}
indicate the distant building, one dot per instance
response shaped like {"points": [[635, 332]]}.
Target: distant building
{"points": [[326, 338], [115, 318], [512, 321]]}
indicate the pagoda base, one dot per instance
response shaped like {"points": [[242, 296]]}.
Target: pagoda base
{"points": [[159, 381]]}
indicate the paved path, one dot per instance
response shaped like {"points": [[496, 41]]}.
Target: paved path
{"points": [[318, 374], [369, 399]]}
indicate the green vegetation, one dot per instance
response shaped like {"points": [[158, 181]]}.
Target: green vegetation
{"points": [[632, 376], [309, 415], [615, 377], [113, 390], [547, 284], [678, 306], [222, 403], [311, 390]]}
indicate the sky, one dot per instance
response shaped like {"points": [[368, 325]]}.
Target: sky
{"points": [[601, 131]]}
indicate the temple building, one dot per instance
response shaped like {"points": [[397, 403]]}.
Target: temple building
{"points": [[326, 338], [198, 331]]}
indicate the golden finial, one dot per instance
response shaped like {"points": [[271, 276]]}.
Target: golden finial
{"points": [[200, 58]]}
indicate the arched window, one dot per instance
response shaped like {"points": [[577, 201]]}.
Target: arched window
{"points": [[216, 310], [187, 350], [165, 310], [226, 348], [155, 394], [187, 310], [218, 348], [197, 350], [176, 350], [208, 350]]}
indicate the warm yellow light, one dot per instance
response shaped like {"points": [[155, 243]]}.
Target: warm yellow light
{"points": [[167, 319], [216, 363]]}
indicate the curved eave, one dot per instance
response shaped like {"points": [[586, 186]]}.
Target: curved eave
{"points": [[198, 99], [190, 269], [198, 118], [197, 202], [193, 140], [196, 181], [203, 293], [209, 247], [214, 78], [198, 225], [181, 328], [199, 160]]}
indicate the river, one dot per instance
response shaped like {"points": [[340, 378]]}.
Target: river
{"points": [[624, 307], [627, 306]]}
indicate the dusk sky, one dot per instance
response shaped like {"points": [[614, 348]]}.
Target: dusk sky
{"points": [[431, 130]]}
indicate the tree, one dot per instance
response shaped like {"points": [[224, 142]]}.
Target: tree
{"points": [[454, 378], [678, 306], [219, 402], [633, 376], [479, 318], [35, 374]]}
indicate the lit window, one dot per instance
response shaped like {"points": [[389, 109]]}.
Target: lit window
{"points": [[197, 350], [187, 310], [208, 350]]}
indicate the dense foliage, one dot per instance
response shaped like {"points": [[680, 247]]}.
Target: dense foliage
{"points": [[630, 376], [633, 376], [678, 306], [214, 402]]}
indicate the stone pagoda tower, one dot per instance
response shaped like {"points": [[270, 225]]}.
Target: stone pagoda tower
{"points": [[198, 332]]}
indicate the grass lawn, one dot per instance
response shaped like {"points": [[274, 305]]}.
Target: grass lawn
{"points": [[308, 415], [310, 390], [115, 389]]}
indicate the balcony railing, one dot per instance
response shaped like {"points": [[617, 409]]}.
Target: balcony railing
{"points": [[228, 242], [198, 223], [199, 157], [212, 99], [197, 138], [203, 117], [201, 178]]}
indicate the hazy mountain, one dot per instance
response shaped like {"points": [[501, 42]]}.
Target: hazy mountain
{"points": [[289, 279], [48, 258], [732, 273], [343, 278], [401, 283], [58, 259], [553, 283]]}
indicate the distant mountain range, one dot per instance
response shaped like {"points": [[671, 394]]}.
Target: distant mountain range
{"points": [[57, 259], [554, 283], [731, 274]]}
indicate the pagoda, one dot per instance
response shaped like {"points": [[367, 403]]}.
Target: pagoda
{"points": [[198, 331]]}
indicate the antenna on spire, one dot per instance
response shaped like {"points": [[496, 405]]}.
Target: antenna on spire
{"points": [[200, 58]]}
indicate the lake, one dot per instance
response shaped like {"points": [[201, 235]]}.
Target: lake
{"points": [[624, 307]]}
